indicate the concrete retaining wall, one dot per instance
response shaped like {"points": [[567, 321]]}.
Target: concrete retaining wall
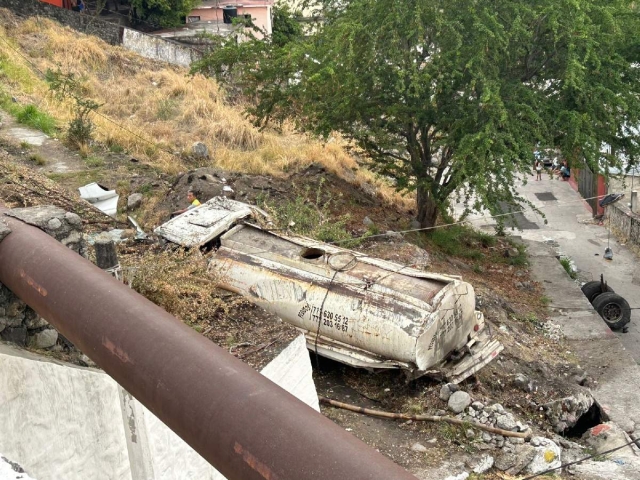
{"points": [[157, 48], [88, 24], [625, 222], [60, 421]]}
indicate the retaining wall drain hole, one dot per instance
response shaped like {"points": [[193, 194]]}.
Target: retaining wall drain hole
{"points": [[594, 416], [312, 253]]}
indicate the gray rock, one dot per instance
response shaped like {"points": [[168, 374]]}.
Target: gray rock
{"points": [[440, 413], [506, 422], [470, 433], [459, 401], [134, 201], [86, 361], [447, 390], [17, 335], [33, 321], [477, 405], [485, 463], [200, 150], [505, 461], [54, 224], [47, 338], [415, 225], [486, 437], [418, 447], [523, 383], [4, 230], [73, 219], [518, 460], [368, 222], [546, 456]]}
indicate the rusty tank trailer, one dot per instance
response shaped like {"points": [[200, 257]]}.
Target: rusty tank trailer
{"points": [[353, 308]]}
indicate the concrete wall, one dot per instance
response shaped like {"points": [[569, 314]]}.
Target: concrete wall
{"points": [[88, 24], [60, 421], [157, 48], [624, 222]]}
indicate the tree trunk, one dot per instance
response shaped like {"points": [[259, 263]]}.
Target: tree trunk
{"points": [[427, 208]]}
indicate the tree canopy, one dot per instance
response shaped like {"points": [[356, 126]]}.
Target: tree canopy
{"points": [[452, 98], [164, 13]]}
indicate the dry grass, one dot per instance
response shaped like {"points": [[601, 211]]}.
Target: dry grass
{"points": [[157, 111]]}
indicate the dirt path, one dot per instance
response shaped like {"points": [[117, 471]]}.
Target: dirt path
{"points": [[56, 157]]}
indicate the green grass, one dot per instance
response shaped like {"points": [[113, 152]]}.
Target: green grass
{"points": [[462, 241], [37, 159], [12, 72], [566, 264], [94, 162], [29, 115]]}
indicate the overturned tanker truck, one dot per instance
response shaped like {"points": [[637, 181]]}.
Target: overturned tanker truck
{"points": [[358, 310]]}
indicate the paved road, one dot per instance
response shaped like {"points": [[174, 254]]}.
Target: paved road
{"points": [[570, 226]]}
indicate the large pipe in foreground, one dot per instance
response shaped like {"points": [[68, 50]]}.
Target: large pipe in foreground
{"points": [[243, 424]]}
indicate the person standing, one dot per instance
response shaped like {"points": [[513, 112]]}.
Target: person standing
{"points": [[538, 170]]}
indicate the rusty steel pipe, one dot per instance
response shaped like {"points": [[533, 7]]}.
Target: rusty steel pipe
{"points": [[243, 424]]}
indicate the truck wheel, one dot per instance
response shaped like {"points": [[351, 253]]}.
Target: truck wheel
{"points": [[613, 309], [592, 289]]}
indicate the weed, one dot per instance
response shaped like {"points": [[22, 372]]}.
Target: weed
{"points": [[544, 300], [146, 189], [84, 150], [37, 159], [94, 162], [113, 146], [414, 408], [566, 264], [166, 108], [461, 241], [519, 260], [68, 86], [25, 145], [31, 116], [309, 214]]}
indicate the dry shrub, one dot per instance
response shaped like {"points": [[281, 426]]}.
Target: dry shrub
{"points": [[178, 282]]}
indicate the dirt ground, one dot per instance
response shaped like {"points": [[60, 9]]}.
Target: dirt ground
{"points": [[515, 315]]}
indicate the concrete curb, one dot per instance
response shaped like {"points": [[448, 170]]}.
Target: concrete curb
{"points": [[598, 349]]}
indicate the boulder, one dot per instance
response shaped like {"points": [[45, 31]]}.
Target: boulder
{"points": [[484, 464], [547, 455], [134, 201], [447, 390], [47, 338], [506, 422], [200, 150], [459, 401]]}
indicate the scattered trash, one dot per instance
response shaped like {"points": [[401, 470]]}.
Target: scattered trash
{"points": [[140, 235], [104, 200]]}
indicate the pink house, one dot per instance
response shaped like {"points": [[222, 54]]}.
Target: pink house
{"points": [[220, 12]]}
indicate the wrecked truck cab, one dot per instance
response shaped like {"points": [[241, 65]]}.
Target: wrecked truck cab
{"points": [[351, 307]]}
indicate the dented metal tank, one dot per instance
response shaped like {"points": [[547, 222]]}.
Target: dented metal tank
{"points": [[356, 309]]}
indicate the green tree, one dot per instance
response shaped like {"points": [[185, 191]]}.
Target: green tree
{"points": [[286, 27], [164, 13], [451, 98]]}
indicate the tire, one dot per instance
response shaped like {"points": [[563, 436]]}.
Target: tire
{"points": [[613, 309], [592, 289]]}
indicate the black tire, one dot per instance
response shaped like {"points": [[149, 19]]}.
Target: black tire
{"points": [[592, 289], [613, 309]]}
